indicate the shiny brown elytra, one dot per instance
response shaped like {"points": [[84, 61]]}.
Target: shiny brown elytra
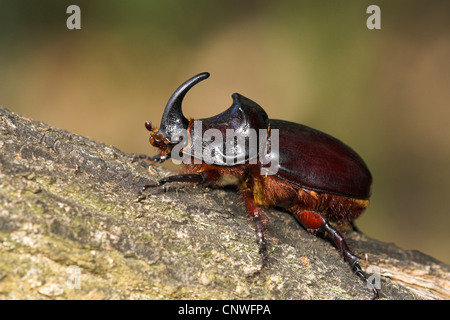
{"points": [[318, 178]]}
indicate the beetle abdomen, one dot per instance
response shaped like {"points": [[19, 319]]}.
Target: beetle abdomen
{"points": [[317, 161], [272, 191]]}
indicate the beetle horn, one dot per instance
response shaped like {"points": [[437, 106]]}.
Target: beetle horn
{"points": [[173, 118]]}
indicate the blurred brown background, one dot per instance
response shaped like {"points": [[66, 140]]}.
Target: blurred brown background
{"points": [[384, 92]]}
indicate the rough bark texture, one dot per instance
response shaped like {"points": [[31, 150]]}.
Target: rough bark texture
{"points": [[73, 226]]}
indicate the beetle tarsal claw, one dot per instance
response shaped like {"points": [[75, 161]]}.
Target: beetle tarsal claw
{"points": [[149, 186], [145, 157], [258, 272]]}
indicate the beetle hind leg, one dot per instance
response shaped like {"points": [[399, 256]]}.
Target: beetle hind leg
{"points": [[339, 241], [314, 222]]}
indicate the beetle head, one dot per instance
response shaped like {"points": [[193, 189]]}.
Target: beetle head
{"points": [[238, 124], [173, 121]]}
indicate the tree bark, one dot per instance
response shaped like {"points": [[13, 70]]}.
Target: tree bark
{"points": [[73, 226]]}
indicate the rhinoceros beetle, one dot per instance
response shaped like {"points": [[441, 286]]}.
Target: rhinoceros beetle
{"points": [[311, 174]]}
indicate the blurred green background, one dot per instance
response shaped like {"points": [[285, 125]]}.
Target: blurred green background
{"points": [[386, 93]]}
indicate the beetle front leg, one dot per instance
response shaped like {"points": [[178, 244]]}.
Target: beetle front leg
{"points": [[256, 215], [155, 159]]}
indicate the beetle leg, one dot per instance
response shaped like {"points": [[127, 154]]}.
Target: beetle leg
{"points": [[201, 178], [155, 159], [314, 222], [339, 241], [256, 215], [354, 227]]}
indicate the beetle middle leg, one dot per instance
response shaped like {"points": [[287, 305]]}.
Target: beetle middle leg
{"points": [[314, 222], [256, 215], [203, 177]]}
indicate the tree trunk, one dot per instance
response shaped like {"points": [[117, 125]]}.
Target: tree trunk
{"points": [[73, 226]]}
